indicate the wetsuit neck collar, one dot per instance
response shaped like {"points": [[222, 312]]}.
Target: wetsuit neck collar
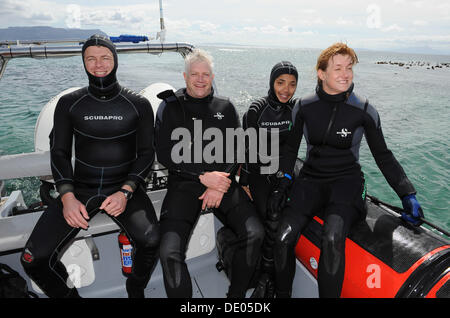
{"points": [[275, 103], [189, 98], [104, 92], [337, 98]]}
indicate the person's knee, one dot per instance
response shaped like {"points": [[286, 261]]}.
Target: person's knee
{"points": [[255, 230], [333, 233], [284, 237], [284, 244], [333, 243], [251, 238], [150, 238], [170, 248]]}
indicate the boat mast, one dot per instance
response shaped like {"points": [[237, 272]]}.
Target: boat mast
{"points": [[162, 34]]}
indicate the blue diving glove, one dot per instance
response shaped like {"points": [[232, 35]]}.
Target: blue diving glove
{"points": [[413, 211]]}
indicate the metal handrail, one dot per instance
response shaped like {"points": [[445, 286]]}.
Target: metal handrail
{"points": [[40, 52]]}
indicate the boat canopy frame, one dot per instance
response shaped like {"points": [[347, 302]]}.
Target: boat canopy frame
{"points": [[43, 52]]}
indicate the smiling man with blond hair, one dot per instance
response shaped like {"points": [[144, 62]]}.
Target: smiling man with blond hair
{"points": [[195, 185]]}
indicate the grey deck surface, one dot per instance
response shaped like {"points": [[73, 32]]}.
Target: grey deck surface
{"points": [[207, 282]]}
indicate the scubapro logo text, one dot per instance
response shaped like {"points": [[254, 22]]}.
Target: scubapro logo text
{"points": [[275, 124], [101, 117]]}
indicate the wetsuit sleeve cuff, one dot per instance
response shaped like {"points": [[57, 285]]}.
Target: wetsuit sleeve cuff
{"points": [[187, 174], [405, 188], [131, 184], [406, 194], [65, 188]]}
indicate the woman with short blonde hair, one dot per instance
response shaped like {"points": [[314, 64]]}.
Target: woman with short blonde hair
{"points": [[331, 183]]}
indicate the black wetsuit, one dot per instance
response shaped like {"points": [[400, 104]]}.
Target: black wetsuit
{"points": [[265, 114], [181, 207], [113, 129], [330, 181]]}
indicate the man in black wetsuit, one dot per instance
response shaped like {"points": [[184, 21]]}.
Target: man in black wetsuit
{"points": [[272, 114], [333, 121], [113, 154], [198, 184]]}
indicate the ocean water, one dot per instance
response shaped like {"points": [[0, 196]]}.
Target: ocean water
{"points": [[413, 104]]}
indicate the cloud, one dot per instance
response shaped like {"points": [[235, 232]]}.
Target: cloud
{"points": [[110, 18], [205, 26], [393, 27], [444, 6], [420, 22], [310, 22], [41, 17], [287, 29], [251, 29], [9, 7], [269, 29], [33, 12], [419, 4], [342, 21], [281, 22], [308, 32], [119, 17], [309, 11]]}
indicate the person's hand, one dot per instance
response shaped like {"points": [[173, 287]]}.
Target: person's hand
{"points": [[211, 198], [276, 203], [115, 204], [413, 212], [74, 211], [278, 199], [216, 180]]}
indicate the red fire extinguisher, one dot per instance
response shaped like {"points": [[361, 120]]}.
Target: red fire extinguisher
{"points": [[126, 252]]}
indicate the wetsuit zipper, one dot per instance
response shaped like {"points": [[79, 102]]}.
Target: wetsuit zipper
{"points": [[333, 116]]}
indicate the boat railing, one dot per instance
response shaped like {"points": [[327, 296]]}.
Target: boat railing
{"points": [[45, 51]]}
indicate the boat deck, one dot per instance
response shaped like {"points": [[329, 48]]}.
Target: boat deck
{"points": [[207, 281], [101, 273]]}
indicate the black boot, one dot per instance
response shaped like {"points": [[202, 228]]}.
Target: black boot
{"points": [[136, 286], [73, 293], [270, 289], [262, 287]]}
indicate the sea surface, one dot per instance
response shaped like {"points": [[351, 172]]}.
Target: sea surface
{"points": [[413, 101]]}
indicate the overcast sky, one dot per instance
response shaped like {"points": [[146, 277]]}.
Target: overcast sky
{"points": [[377, 24]]}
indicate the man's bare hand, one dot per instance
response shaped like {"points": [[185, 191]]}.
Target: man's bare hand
{"points": [[211, 198], [74, 211], [115, 204], [216, 180]]}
